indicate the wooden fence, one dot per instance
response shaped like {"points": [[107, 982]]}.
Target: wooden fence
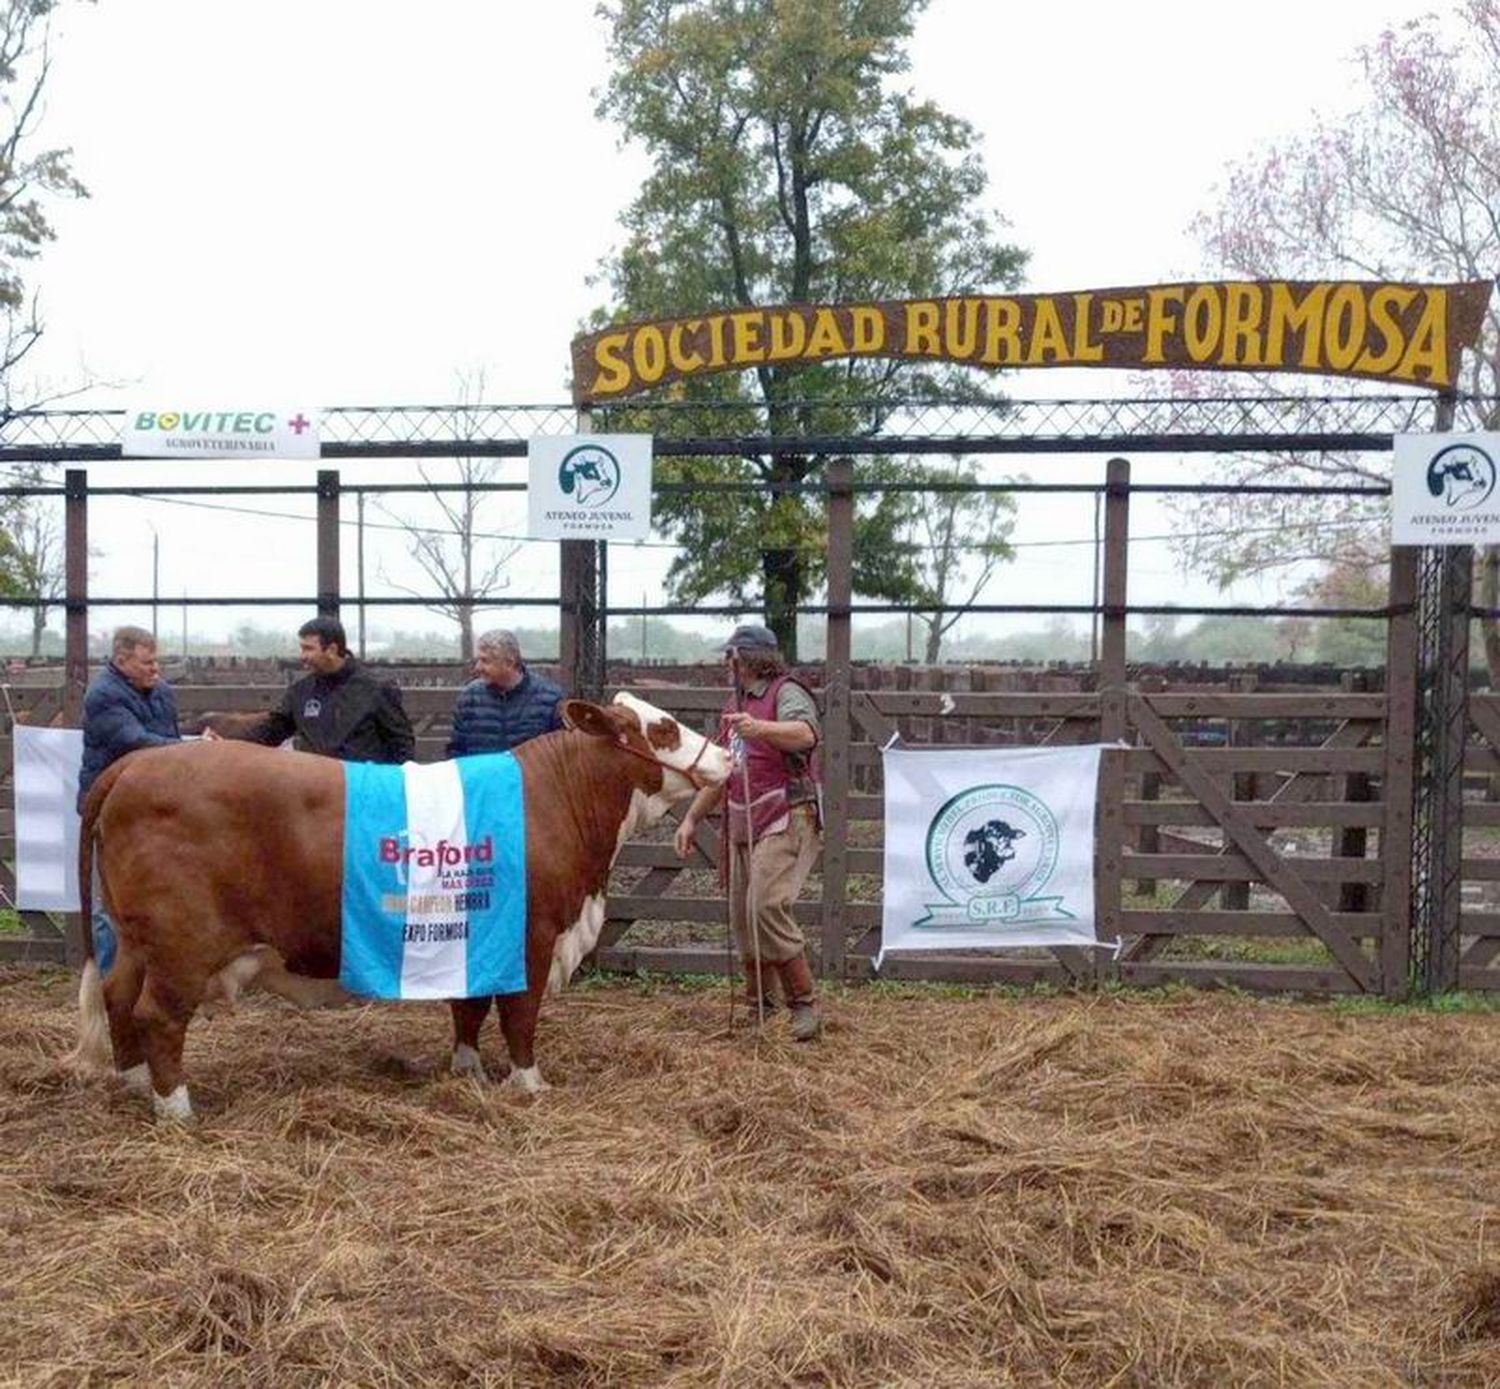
{"points": [[1256, 837], [1220, 860]]}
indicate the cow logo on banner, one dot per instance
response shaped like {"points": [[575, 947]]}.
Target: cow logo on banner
{"points": [[990, 852], [1463, 475], [590, 474]]}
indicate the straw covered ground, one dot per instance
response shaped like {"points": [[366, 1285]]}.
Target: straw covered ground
{"points": [[943, 1191]]}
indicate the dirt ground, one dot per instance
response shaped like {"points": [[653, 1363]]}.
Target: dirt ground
{"points": [[941, 1192]]}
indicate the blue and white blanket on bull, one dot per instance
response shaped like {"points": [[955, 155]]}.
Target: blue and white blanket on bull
{"points": [[434, 896]]}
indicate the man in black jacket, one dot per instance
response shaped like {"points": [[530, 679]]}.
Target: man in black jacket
{"points": [[338, 708]]}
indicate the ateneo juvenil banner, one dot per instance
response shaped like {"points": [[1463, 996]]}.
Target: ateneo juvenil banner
{"points": [[1390, 332], [1443, 489]]}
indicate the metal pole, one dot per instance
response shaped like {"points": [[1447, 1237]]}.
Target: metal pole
{"points": [[155, 582], [76, 593], [1094, 617], [359, 533], [328, 542], [1445, 577], [838, 668]]}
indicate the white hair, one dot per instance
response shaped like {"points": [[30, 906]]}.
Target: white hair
{"points": [[502, 642]]}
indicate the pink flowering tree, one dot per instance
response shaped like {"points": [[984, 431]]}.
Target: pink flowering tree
{"points": [[1405, 186]]}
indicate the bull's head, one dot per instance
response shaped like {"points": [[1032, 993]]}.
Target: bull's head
{"points": [[688, 760], [989, 846]]}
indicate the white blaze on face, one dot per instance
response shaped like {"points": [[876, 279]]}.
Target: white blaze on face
{"points": [[707, 761]]}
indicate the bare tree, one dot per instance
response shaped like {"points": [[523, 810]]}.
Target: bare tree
{"points": [[31, 564], [465, 565], [958, 540], [28, 176]]}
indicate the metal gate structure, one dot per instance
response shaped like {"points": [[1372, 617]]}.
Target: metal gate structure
{"points": [[1331, 855]]}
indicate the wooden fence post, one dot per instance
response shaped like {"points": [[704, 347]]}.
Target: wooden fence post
{"points": [[578, 633], [1235, 896], [76, 642], [1113, 708], [836, 720], [583, 590], [1398, 776], [328, 542]]}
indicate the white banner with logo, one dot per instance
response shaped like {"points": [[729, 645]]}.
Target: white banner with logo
{"points": [[1443, 489], [207, 433], [590, 487], [47, 761], [989, 848]]}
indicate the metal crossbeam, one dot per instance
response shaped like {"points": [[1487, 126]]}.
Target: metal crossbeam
{"points": [[1143, 425]]}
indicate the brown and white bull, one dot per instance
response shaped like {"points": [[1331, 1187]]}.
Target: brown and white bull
{"points": [[222, 865]]}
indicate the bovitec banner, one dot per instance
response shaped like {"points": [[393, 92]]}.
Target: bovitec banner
{"points": [[179, 432], [988, 848], [1411, 333]]}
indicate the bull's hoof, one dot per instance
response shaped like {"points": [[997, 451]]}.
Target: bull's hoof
{"points": [[466, 1062], [527, 1079], [137, 1079], [175, 1108]]}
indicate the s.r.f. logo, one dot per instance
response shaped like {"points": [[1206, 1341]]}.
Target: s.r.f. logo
{"points": [[990, 852]]}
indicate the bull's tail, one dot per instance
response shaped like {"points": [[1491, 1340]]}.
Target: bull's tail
{"points": [[94, 1051]]}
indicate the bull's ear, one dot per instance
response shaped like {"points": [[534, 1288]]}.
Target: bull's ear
{"points": [[588, 718]]}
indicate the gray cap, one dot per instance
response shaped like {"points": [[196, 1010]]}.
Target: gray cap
{"points": [[750, 636]]}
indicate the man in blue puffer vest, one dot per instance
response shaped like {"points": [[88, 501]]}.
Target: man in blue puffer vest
{"points": [[128, 706], [506, 705]]}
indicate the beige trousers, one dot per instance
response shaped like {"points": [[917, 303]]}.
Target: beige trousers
{"points": [[773, 873]]}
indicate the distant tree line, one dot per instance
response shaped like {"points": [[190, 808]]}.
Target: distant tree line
{"points": [[1158, 639]]}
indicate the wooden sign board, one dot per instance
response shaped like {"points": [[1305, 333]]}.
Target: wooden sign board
{"points": [[1409, 333]]}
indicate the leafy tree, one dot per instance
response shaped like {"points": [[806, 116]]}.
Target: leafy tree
{"points": [[788, 166], [1406, 186]]}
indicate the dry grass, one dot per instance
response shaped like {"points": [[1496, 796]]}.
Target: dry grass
{"points": [[939, 1193]]}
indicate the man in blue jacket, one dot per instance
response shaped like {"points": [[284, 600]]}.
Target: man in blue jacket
{"points": [[506, 705], [128, 706]]}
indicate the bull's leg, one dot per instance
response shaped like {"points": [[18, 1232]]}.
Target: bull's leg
{"points": [[163, 1015], [518, 1022], [468, 1017], [122, 989]]}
